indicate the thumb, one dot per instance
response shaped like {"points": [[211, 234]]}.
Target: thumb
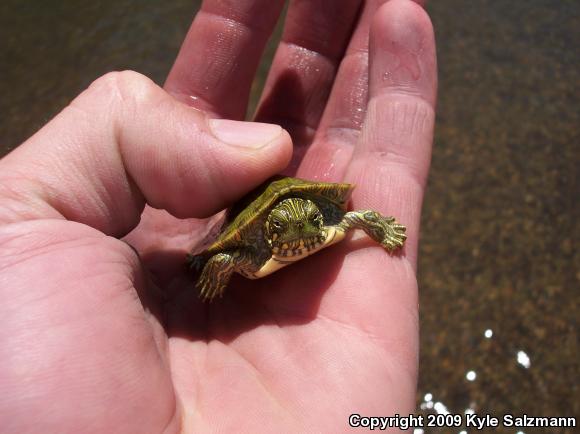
{"points": [[125, 142]]}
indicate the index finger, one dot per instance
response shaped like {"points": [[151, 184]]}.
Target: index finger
{"points": [[391, 160], [375, 292]]}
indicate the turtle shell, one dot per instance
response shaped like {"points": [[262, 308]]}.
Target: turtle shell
{"points": [[248, 215]]}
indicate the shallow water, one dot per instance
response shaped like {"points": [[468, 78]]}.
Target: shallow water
{"points": [[499, 266]]}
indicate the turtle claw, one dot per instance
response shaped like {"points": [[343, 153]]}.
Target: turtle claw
{"points": [[215, 276], [208, 289], [385, 230], [195, 262], [394, 234]]}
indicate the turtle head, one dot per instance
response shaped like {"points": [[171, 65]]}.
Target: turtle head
{"points": [[294, 226]]}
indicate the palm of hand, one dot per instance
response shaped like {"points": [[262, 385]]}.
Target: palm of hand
{"points": [[267, 353], [273, 348]]}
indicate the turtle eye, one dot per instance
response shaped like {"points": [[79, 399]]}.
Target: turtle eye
{"points": [[316, 218], [276, 224]]}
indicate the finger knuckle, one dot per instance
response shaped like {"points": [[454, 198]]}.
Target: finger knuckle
{"points": [[126, 88]]}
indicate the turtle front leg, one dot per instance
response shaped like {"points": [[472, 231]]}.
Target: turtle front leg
{"points": [[218, 271], [384, 230]]}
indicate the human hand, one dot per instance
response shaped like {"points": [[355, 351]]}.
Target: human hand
{"points": [[96, 341]]}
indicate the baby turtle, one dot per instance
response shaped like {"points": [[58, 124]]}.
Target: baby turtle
{"points": [[281, 222]]}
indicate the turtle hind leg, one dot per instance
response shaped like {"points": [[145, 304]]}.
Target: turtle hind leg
{"points": [[384, 230]]}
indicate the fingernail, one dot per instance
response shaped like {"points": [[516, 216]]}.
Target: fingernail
{"points": [[244, 134]]}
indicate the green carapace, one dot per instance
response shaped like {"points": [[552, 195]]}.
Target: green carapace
{"points": [[281, 222]]}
